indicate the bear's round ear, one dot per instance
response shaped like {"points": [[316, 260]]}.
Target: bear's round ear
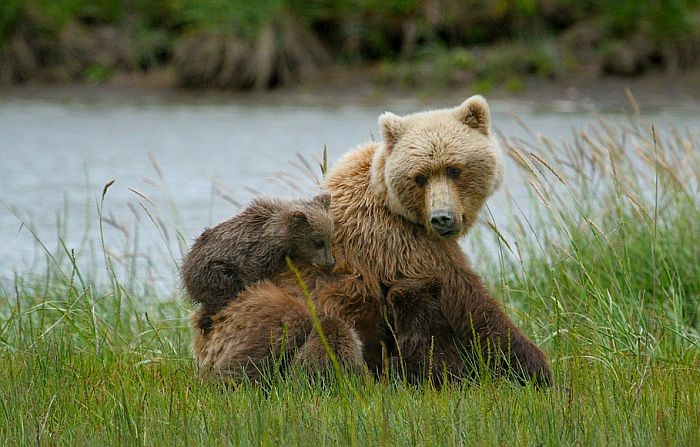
{"points": [[474, 112], [297, 219], [392, 127], [324, 200]]}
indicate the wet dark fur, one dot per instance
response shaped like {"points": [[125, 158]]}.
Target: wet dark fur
{"points": [[252, 246]]}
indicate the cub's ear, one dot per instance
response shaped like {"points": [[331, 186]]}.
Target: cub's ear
{"points": [[324, 200], [392, 127], [296, 219], [474, 112]]}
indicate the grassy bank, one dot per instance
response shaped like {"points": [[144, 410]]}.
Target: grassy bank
{"points": [[261, 44], [604, 274]]}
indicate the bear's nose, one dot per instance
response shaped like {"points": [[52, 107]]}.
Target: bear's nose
{"points": [[442, 220]]}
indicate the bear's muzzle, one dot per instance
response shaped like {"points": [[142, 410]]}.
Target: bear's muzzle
{"points": [[444, 223]]}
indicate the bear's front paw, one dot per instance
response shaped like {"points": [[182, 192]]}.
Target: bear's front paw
{"points": [[533, 366]]}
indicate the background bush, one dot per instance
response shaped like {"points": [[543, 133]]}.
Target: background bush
{"points": [[264, 43]]}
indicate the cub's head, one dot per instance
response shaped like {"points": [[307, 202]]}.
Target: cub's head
{"points": [[437, 168], [310, 230]]}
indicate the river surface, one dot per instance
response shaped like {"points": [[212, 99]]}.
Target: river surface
{"points": [[180, 166]]}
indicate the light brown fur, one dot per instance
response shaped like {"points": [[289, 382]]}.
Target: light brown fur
{"points": [[386, 232], [267, 326]]}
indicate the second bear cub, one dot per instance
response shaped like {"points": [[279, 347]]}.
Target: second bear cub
{"points": [[252, 246]]}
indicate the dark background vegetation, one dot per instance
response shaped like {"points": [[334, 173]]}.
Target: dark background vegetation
{"points": [[260, 44]]}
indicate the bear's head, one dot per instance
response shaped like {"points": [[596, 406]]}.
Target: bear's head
{"points": [[437, 168], [310, 231]]}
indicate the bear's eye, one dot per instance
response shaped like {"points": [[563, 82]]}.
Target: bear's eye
{"points": [[318, 243], [453, 172], [421, 180]]}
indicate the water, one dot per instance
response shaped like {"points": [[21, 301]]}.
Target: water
{"points": [[194, 162]]}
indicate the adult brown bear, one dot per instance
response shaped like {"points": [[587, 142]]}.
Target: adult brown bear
{"points": [[399, 209]]}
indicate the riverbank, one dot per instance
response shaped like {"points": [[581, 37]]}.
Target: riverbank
{"points": [[262, 44], [359, 87]]}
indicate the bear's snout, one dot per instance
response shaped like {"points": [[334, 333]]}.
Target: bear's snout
{"points": [[324, 260], [444, 222]]}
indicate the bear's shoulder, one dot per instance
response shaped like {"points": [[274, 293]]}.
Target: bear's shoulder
{"points": [[355, 164]]}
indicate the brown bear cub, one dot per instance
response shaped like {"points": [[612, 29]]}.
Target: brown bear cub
{"points": [[252, 246]]}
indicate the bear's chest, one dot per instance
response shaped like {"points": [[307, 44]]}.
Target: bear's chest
{"points": [[392, 249]]}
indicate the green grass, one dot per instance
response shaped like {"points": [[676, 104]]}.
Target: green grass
{"points": [[604, 276]]}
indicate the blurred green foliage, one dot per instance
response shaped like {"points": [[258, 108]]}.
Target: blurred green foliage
{"points": [[665, 19], [397, 31]]}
